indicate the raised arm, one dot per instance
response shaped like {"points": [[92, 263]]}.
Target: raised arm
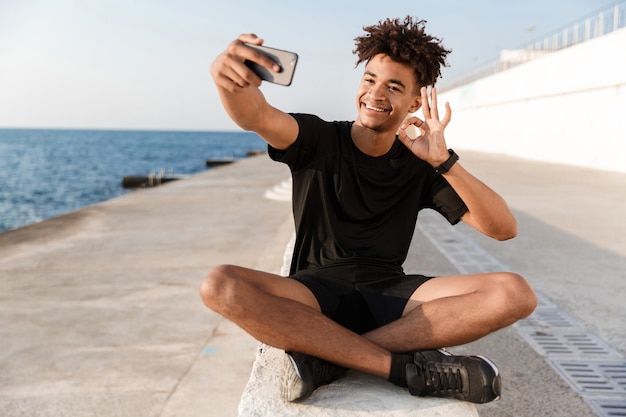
{"points": [[487, 210], [238, 87]]}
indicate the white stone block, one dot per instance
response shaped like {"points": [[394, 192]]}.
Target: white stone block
{"points": [[355, 395]]}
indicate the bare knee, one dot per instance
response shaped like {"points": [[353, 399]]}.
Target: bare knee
{"points": [[217, 288], [518, 298]]}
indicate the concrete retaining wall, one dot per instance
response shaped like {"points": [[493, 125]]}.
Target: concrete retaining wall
{"points": [[566, 107]]}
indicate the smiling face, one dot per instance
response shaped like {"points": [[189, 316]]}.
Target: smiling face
{"points": [[386, 94]]}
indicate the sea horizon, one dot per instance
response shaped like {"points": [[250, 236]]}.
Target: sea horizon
{"points": [[129, 129], [48, 172]]}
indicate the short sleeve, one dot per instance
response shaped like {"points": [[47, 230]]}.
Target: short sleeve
{"points": [[307, 147], [446, 201]]}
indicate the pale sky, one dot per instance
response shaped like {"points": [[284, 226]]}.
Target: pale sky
{"points": [[143, 64]]}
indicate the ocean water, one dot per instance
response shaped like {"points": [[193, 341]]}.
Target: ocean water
{"points": [[46, 173]]}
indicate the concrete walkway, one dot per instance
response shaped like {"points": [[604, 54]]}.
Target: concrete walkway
{"points": [[100, 314]]}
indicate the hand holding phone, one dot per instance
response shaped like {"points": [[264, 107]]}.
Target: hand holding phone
{"points": [[285, 59]]}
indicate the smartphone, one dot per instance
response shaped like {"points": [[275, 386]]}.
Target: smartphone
{"points": [[285, 59]]}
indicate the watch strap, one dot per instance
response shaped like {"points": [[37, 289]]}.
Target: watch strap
{"points": [[445, 167]]}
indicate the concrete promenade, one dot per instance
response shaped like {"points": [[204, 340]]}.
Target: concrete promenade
{"points": [[100, 313]]}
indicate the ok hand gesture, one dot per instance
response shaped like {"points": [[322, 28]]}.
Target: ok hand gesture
{"points": [[430, 146]]}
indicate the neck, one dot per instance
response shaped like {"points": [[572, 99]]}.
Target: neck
{"points": [[370, 142]]}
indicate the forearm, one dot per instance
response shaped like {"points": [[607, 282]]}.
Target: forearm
{"points": [[487, 212], [245, 107], [250, 111]]}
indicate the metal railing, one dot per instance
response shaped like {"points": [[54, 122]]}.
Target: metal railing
{"points": [[596, 24]]}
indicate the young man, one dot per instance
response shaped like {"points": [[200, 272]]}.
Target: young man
{"points": [[357, 189]]}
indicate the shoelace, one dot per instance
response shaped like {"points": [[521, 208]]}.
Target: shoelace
{"points": [[441, 379]]}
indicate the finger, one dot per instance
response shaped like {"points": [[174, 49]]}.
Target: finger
{"points": [[406, 137], [434, 109], [411, 120], [223, 73], [250, 38], [448, 115], [425, 105], [242, 76], [256, 56], [233, 62], [228, 84], [234, 69], [411, 131]]}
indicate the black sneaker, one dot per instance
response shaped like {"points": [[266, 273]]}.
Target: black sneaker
{"points": [[437, 373], [303, 374]]}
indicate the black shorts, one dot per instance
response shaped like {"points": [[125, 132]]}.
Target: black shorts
{"points": [[360, 298]]}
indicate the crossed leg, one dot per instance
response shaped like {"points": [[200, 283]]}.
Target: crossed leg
{"points": [[446, 311], [283, 313], [453, 310]]}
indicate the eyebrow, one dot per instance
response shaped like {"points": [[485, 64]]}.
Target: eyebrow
{"points": [[392, 81]]}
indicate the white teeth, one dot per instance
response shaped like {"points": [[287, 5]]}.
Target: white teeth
{"points": [[375, 109]]}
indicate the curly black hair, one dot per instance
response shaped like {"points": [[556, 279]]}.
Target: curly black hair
{"points": [[404, 41]]}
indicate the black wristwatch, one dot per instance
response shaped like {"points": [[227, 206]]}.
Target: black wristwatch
{"points": [[445, 167]]}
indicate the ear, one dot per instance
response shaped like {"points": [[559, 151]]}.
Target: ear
{"points": [[417, 103]]}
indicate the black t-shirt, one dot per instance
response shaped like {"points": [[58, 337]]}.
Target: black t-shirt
{"points": [[352, 208]]}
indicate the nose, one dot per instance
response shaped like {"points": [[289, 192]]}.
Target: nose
{"points": [[377, 91]]}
